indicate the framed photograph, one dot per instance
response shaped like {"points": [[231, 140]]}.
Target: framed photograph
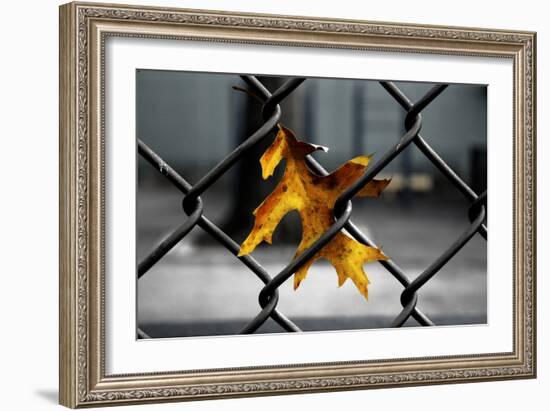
{"points": [[260, 204]]}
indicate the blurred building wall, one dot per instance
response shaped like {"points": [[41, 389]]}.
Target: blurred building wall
{"points": [[192, 120]]}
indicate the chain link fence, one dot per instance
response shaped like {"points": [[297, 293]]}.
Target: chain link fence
{"points": [[268, 297]]}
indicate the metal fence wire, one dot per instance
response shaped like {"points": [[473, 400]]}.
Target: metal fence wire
{"points": [[268, 298]]}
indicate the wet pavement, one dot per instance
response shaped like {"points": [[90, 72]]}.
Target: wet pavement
{"points": [[199, 288]]}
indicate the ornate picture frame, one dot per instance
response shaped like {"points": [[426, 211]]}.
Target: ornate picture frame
{"points": [[84, 30]]}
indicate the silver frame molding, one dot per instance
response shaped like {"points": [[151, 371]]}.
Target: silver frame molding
{"points": [[83, 30]]}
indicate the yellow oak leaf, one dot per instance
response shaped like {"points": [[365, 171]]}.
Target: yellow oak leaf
{"points": [[313, 196]]}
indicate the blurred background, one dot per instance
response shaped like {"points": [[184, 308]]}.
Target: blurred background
{"points": [[193, 120]]}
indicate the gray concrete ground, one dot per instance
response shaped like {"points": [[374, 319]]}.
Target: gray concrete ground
{"points": [[199, 288]]}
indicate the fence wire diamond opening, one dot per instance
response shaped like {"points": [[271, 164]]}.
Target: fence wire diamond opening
{"points": [[268, 297]]}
